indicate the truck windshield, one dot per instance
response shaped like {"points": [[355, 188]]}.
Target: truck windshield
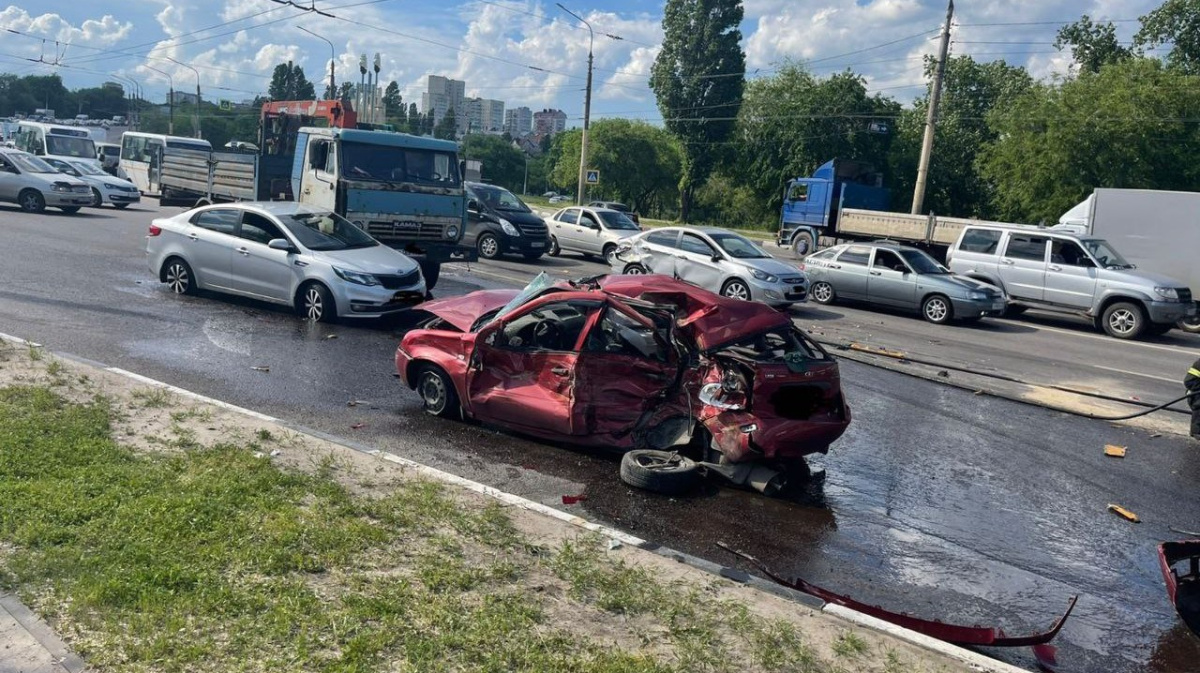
{"points": [[500, 199], [922, 263], [362, 161], [321, 230], [741, 248], [70, 146], [1105, 255]]}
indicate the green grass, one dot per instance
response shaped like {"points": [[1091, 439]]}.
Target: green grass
{"points": [[850, 644]]}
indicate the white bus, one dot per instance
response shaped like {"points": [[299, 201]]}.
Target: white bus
{"points": [[141, 156], [54, 140]]}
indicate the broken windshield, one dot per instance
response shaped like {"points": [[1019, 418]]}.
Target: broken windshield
{"points": [[778, 345]]}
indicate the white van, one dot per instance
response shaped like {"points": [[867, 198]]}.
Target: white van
{"points": [[55, 140]]}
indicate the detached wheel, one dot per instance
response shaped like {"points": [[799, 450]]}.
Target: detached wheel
{"points": [[489, 246], [1190, 325], [97, 199], [663, 472], [437, 393], [31, 201], [635, 270], [178, 277], [736, 289], [555, 251], [1124, 320], [803, 244], [822, 293], [937, 309], [315, 303]]}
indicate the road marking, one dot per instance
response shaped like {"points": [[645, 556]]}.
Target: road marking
{"points": [[1148, 376], [1109, 339]]}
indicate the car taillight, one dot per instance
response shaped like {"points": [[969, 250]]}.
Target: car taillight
{"points": [[155, 230]]}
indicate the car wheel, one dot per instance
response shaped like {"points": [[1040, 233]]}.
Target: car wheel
{"points": [[736, 289], [1190, 325], [532, 256], [70, 210], [937, 309], [31, 201], [97, 199], [315, 302], [1124, 320], [178, 276], [555, 251], [437, 393], [610, 254], [822, 293], [120, 206], [664, 472], [489, 246], [635, 270], [803, 244]]}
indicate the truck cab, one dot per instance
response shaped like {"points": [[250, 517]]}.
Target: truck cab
{"points": [[811, 205]]}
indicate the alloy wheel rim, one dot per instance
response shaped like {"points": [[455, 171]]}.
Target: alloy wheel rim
{"points": [[737, 291], [314, 306], [610, 255], [97, 200], [554, 249], [488, 246], [433, 392], [1122, 321], [634, 270], [936, 310], [177, 278], [31, 202], [822, 292]]}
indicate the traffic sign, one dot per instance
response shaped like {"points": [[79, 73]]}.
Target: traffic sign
{"points": [[592, 177], [226, 104]]}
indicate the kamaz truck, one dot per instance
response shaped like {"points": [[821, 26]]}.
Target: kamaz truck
{"points": [[406, 191]]}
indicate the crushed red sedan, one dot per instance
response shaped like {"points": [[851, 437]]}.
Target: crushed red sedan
{"points": [[631, 363]]}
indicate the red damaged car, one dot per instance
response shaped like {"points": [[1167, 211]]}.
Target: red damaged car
{"points": [[646, 364]]}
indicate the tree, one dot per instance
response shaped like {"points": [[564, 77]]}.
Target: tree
{"points": [[503, 164], [414, 119], [1092, 44], [446, 129], [346, 91], [289, 83], [1129, 125], [698, 78], [393, 103], [639, 163], [1177, 23]]}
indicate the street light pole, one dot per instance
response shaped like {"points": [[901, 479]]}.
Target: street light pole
{"points": [[587, 108], [525, 187], [332, 60], [197, 73], [170, 99]]}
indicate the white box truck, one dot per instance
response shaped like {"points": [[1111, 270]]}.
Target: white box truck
{"points": [[1158, 231]]}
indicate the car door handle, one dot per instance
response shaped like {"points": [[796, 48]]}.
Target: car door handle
{"points": [[1006, 261], [835, 266], [244, 251], [193, 237], [1055, 267], [560, 371], [876, 273]]}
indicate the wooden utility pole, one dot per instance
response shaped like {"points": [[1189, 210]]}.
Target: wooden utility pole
{"points": [[935, 95]]}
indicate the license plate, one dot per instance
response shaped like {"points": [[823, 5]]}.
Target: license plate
{"points": [[537, 245], [798, 288]]}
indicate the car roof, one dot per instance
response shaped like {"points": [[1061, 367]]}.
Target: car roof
{"points": [[881, 245], [276, 208], [1038, 231]]}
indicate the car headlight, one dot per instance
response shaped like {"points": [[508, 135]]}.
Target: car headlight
{"points": [[763, 276], [355, 277], [111, 186], [452, 232], [60, 187], [508, 228], [1167, 293], [977, 295]]}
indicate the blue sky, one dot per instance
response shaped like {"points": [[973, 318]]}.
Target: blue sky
{"points": [[524, 52]]}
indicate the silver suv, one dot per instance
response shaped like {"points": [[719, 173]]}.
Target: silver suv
{"points": [[1065, 273]]}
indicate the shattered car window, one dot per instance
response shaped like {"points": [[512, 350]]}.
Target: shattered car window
{"points": [[618, 334], [552, 327]]}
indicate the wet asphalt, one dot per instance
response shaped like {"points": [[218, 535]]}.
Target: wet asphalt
{"points": [[937, 502]]}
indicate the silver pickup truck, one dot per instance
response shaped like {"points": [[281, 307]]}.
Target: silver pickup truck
{"points": [[1068, 273]]}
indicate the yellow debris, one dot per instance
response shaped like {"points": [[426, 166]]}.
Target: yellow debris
{"points": [[1124, 513], [1114, 451]]}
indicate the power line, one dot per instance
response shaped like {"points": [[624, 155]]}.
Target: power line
{"points": [[1041, 23], [552, 19]]}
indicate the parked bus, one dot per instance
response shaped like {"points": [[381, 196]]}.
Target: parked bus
{"points": [[54, 140], [141, 156]]}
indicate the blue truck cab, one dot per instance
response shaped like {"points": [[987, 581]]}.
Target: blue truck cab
{"points": [[406, 191], [811, 205]]}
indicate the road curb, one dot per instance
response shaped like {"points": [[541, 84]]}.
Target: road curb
{"points": [[974, 660], [62, 657]]}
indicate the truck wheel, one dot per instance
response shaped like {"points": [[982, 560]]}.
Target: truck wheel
{"points": [[431, 271], [803, 244], [1124, 320], [664, 472], [1190, 325]]}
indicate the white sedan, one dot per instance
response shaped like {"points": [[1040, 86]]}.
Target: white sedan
{"points": [[105, 188]]}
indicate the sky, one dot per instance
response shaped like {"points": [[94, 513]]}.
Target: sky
{"points": [[525, 52]]}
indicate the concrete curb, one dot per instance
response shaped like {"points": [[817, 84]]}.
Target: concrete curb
{"points": [[976, 661], [61, 659]]}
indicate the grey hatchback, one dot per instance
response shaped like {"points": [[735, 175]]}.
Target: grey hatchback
{"points": [[893, 275]]}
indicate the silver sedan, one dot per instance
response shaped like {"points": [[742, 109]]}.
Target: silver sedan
{"points": [[892, 275], [714, 259], [313, 260]]}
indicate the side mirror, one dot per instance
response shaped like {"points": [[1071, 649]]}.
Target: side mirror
{"points": [[717, 257], [473, 206], [280, 244]]}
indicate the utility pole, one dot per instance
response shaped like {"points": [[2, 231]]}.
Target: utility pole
{"points": [[934, 96], [197, 73], [587, 109], [170, 99], [332, 61]]}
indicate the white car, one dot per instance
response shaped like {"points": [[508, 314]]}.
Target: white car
{"points": [[105, 188], [590, 231], [313, 260], [34, 184]]}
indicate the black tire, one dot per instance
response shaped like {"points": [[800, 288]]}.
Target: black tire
{"points": [[662, 472], [178, 276], [1190, 325], [736, 288], [555, 251], [635, 270], [438, 396], [315, 302], [1014, 310], [70, 210], [1124, 320], [822, 293], [489, 246], [97, 199], [937, 309], [120, 206], [609, 253], [431, 271], [532, 256], [31, 201], [803, 244]]}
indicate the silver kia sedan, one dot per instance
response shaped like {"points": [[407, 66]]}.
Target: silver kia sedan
{"points": [[315, 261], [889, 274], [715, 259]]}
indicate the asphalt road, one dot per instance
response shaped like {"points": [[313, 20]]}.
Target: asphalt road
{"points": [[937, 501]]}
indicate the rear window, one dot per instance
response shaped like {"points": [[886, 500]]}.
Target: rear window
{"points": [[983, 241], [221, 220], [855, 254], [666, 238], [570, 216]]}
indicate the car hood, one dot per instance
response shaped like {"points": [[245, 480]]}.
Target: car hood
{"points": [[462, 312], [969, 284], [379, 259], [517, 216], [51, 178], [769, 265], [712, 321], [1134, 275]]}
